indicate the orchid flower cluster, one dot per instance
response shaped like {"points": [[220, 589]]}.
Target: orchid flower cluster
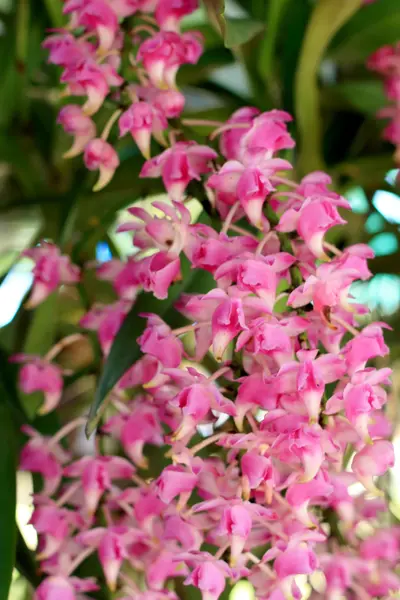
{"points": [[386, 62], [272, 367]]}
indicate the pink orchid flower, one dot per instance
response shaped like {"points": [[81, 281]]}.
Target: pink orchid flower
{"points": [[51, 270]]}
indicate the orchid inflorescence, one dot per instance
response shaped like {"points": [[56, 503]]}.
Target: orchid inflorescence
{"points": [[386, 62], [272, 360]]}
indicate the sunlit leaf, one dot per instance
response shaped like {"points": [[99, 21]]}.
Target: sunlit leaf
{"points": [[327, 18]]}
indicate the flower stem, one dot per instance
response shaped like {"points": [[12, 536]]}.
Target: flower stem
{"points": [[79, 422], [67, 341]]}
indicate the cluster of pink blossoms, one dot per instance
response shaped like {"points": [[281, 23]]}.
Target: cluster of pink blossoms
{"points": [[272, 360], [386, 62]]}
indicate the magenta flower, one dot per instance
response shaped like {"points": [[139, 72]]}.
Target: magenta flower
{"points": [[209, 579], [64, 588], [371, 461], [111, 544], [141, 426], [173, 482], [165, 52], [314, 218], [51, 270], [178, 166], [39, 375], [100, 156], [170, 12], [231, 137], [91, 80], [142, 120], [76, 123], [156, 273], [158, 341], [106, 320], [96, 475], [38, 456], [97, 16]]}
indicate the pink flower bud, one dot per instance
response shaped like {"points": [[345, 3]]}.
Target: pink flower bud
{"points": [[76, 123], [99, 155]]}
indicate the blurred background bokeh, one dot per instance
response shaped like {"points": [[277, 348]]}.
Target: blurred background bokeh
{"points": [[284, 61]]}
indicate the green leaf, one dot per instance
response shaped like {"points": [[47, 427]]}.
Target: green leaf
{"points": [[327, 18], [291, 33], [235, 32], [241, 31], [370, 28], [216, 13], [8, 390], [53, 8], [41, 334], [364, 96], [25, 562], [367, 171], [8, 469], [276, 9], [125, 350]]}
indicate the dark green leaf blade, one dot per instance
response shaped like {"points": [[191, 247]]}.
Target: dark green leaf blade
{"points": [[25, 562], [8, 390], [8, 468]]}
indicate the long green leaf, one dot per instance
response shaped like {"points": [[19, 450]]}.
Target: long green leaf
{"points": [[42, 330], [8, 468], [8, 390], [25, 562], [125, 350], [327, 18], [276, 9], [364, 96], [375, 25], [234, 31]]}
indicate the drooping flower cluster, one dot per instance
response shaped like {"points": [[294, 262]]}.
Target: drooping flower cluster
{"points": [[91, 64], [264, 406], [386, 62]]}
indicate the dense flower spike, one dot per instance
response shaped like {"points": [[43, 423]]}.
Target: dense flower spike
{"points": [[386, 62], [257, 392]]}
